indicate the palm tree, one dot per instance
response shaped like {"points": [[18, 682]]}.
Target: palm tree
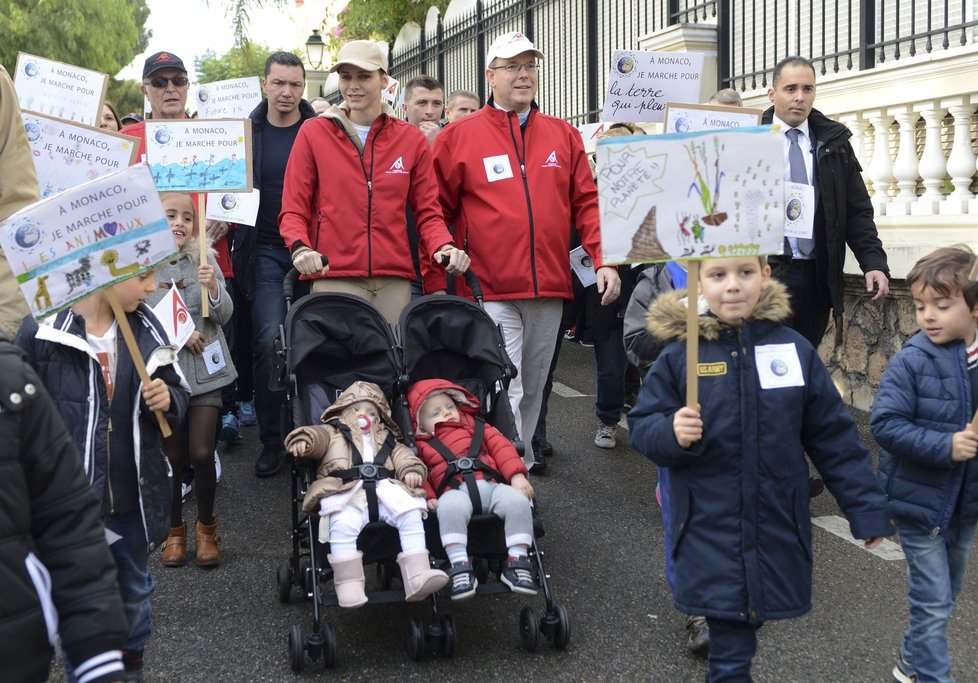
{"points": [[239, 11]]}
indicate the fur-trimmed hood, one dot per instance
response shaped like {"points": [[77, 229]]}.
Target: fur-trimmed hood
{"points": [[363, 391], [191, 250], [666, 318]]}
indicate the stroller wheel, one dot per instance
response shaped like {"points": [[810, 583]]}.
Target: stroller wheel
{"points": [[329, 643], [529, 628], [562, 632], [448, 637], [415, 639], [284, 581], [297, 652]]}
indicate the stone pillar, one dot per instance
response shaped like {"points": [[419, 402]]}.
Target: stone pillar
{"points": [[881, 167], [933, 165], [905, 165]]}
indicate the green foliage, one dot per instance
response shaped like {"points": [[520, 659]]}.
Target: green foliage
{"points": [[239, 12], [125, 96], [103, 35], [238, 62], [379, 19]]}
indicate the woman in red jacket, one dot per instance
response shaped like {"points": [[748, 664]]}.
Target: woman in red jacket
{"points": [[450, 432], [351, 174]]}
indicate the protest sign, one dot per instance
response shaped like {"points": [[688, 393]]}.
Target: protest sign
{"points": [[175, 317], [67, 154], [231, 99], [60, 90], [86, 238], [641, 83], [691, 195], [589, 134], [583, 266], [233, 207], [193, 155], [389, 95], [692, 118]]}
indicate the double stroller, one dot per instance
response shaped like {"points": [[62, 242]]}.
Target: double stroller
{"points": [[328, 342]]}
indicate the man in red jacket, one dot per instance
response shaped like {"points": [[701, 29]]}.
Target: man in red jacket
{"points": [[512, 181]]}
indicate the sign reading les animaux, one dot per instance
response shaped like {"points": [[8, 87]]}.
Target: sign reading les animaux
{"points": [[89, 237]]}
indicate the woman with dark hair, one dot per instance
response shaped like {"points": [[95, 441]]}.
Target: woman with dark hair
{"points": [[110, 118]]}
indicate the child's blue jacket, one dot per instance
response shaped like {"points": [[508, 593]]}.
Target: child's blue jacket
{"points": [[924, 397], [741, 530]]}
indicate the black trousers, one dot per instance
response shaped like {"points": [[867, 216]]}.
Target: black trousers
{"points": [[810, 304]]}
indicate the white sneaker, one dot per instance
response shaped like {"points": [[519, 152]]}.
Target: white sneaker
{"points": [[217, 467], [605, 438]]}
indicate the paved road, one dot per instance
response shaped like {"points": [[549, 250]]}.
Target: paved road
{"points": [[604, 552]]}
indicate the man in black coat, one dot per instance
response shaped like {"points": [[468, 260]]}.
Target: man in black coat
{"points": [[259, 257], [813, 269]]}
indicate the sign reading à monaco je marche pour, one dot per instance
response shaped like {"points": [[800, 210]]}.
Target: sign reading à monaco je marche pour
{"points": [[690, 118], [67, 154], [641, 83], [193, 155], [71, 244], [700, 195], [60, 90], [232, 99]]}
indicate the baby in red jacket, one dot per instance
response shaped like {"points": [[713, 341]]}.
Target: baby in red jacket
{"points": [[463, 453]]}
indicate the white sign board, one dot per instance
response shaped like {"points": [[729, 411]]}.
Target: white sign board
{"points": [[175, 317], [232, 99], [641, 83], [67, 154], [692, 118], [195, 155], [691, 196], [92, 236], [233, 207], [589, 134], [389, 94], [60, 90]]}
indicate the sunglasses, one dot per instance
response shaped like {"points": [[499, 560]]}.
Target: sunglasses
{"points": [[160, 81]]}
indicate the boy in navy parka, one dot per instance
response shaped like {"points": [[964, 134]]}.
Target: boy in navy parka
{"points": [[920, 418], [740, 526]]}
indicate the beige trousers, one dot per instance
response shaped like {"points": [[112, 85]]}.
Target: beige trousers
{"points": [[389, 294]]}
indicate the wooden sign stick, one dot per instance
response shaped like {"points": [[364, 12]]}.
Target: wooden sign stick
{"points": [[974, 422], [692, 333], [202, 243], [137, 357]]}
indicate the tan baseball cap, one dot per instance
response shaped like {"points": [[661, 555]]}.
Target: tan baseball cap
{"points": [[363, 54], [509, 45]]}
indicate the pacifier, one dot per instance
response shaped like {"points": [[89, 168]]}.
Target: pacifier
{"points": [[363, 422]]}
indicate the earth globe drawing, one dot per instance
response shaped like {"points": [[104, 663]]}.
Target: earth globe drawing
{"points": [[793, 209], [202, 95], [626, 64], [33, 130], [497, 168], [228, 202], [162, 136], [27, 235], [31, 69], [681, 125], [779, 367]]}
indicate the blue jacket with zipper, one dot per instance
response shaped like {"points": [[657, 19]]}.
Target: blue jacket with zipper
{"points": [[924, 397]]}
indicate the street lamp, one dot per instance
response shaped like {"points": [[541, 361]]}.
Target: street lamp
{"points": [[314, 50]]}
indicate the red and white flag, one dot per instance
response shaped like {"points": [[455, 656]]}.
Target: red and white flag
{"points": [[173, 313]]}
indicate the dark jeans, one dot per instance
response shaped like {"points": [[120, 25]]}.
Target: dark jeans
{"points": [[732, 647], [610, 359], [267, 314], [810, 304]]}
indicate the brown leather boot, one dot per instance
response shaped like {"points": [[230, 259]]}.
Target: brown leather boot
{"points": [[207, 540], [174, 549]]}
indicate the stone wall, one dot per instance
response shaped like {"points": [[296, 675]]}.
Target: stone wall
{"points": [[872, 333]]}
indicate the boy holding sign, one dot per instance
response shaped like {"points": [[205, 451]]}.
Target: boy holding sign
{"points": [[740, 528], [95, 386]]}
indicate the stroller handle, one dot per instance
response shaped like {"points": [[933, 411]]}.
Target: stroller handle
{"points": [[291, 278], [471, 279]]}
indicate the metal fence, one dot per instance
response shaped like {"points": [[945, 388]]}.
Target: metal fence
{"points": [[578, 37]]}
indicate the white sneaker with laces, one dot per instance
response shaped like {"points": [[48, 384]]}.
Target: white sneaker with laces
{"points": [[605, 438]]}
